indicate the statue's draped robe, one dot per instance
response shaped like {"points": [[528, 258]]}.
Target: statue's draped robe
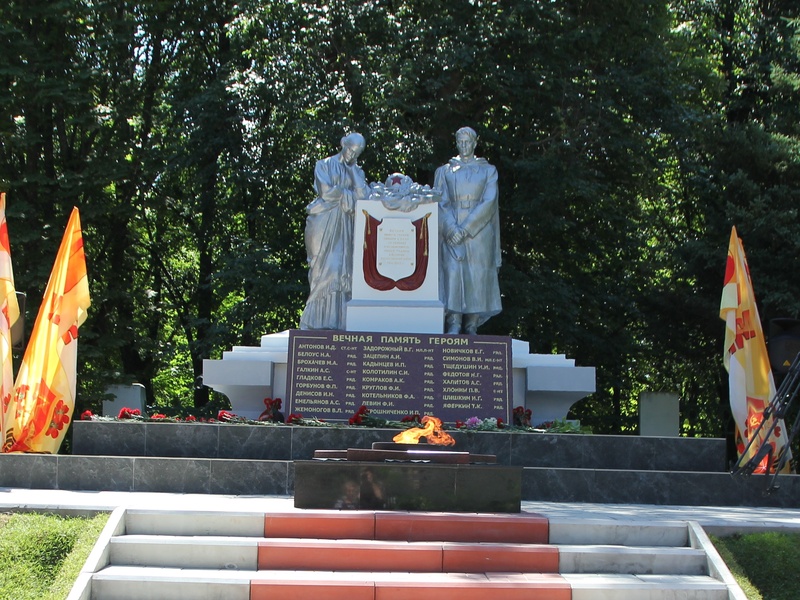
{"points": [[468, 278], [329, 242]]}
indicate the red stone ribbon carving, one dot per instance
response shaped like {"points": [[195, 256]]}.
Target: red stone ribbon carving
{"points": [[370, 263]]}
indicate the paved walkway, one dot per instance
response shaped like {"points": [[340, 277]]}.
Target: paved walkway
{"points": [[716, 520]]}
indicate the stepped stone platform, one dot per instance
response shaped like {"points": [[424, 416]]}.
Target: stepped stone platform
{"points": [[389, 555], [257, 460]]}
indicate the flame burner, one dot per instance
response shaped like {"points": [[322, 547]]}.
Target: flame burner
{"points": [[398, 452]]}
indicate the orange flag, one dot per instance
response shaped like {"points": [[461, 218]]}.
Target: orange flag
{"points": [[750, 380], [44, 397], [9, 313]]}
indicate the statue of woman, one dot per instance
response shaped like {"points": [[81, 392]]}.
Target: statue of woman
{"points": [[338, 182], [469, 236]]}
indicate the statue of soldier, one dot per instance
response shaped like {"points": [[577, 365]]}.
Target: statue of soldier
{"points": [[469, 236]]}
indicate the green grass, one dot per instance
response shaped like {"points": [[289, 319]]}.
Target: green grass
{"points": [[764, 564], [42, 555]]}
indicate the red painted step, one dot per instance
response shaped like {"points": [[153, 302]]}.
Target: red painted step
{"points": [[364, 555], [417, 557], [419, 586], [522, 528]]}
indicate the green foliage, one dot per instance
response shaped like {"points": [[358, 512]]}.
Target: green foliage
{"points": [[763, 563], [42, 555]]}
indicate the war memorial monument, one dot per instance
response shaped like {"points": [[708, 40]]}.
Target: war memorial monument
{"points": [[401, 275]]}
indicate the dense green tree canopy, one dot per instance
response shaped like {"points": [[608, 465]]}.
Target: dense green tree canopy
{"points": [[629, 136]]}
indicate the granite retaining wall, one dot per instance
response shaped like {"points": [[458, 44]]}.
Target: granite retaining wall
{"points": [[258, 460]]}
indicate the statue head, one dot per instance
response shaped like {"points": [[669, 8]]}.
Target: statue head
{"points": [[466, 140], [352, 147]]}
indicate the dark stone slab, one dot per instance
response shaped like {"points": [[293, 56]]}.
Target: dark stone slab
{"points": [[617, 452], [95, 473], [557, 485], [630, 487], [108, 438], [32, 471], [260, 442], [305, 440], [689, 454], [181, 476], [182, 440], [252, 478], [546, 450], [484, 442], [406, 486], [722, 489]]}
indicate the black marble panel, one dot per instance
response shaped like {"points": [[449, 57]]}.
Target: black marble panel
{"points": [[409, 486], [95, 473], [290, 477], [261, 442], [615, 452], [489, 488], [557, 485], [181, 476], [258, 442], [108, 438], [689, 454], [305, 440], [405, 486], [546, 450], [182, 440], [250, 478], [723, 489], [630, 487], [484, 442], [327, 484], [32, 471]]}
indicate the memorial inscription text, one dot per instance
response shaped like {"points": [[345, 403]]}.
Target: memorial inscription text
{"points": [[332, 373]]}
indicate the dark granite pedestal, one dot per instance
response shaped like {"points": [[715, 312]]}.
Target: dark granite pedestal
{"points": [[357, 485]]}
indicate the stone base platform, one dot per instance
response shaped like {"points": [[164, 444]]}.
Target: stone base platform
{"points": [[358, 485]]}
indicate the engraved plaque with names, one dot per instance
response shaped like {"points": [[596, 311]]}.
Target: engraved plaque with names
{"points": [[332, 373]]}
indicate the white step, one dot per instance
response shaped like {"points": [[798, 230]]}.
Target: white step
{"points": [[646, 587], [222, 552], [134, 583]]}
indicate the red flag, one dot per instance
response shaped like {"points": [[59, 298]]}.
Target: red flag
{"points": [[44, 397]]}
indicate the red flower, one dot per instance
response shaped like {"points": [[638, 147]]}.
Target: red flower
{"points": [[86, 415], [415, 418], [357, 418], [460, 424], [159, 416], [226, 415], [191, 418], [500, 423], [293, 418], [129, 413]]}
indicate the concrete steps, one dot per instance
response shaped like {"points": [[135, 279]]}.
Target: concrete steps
{"points": [[392, 555]]}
